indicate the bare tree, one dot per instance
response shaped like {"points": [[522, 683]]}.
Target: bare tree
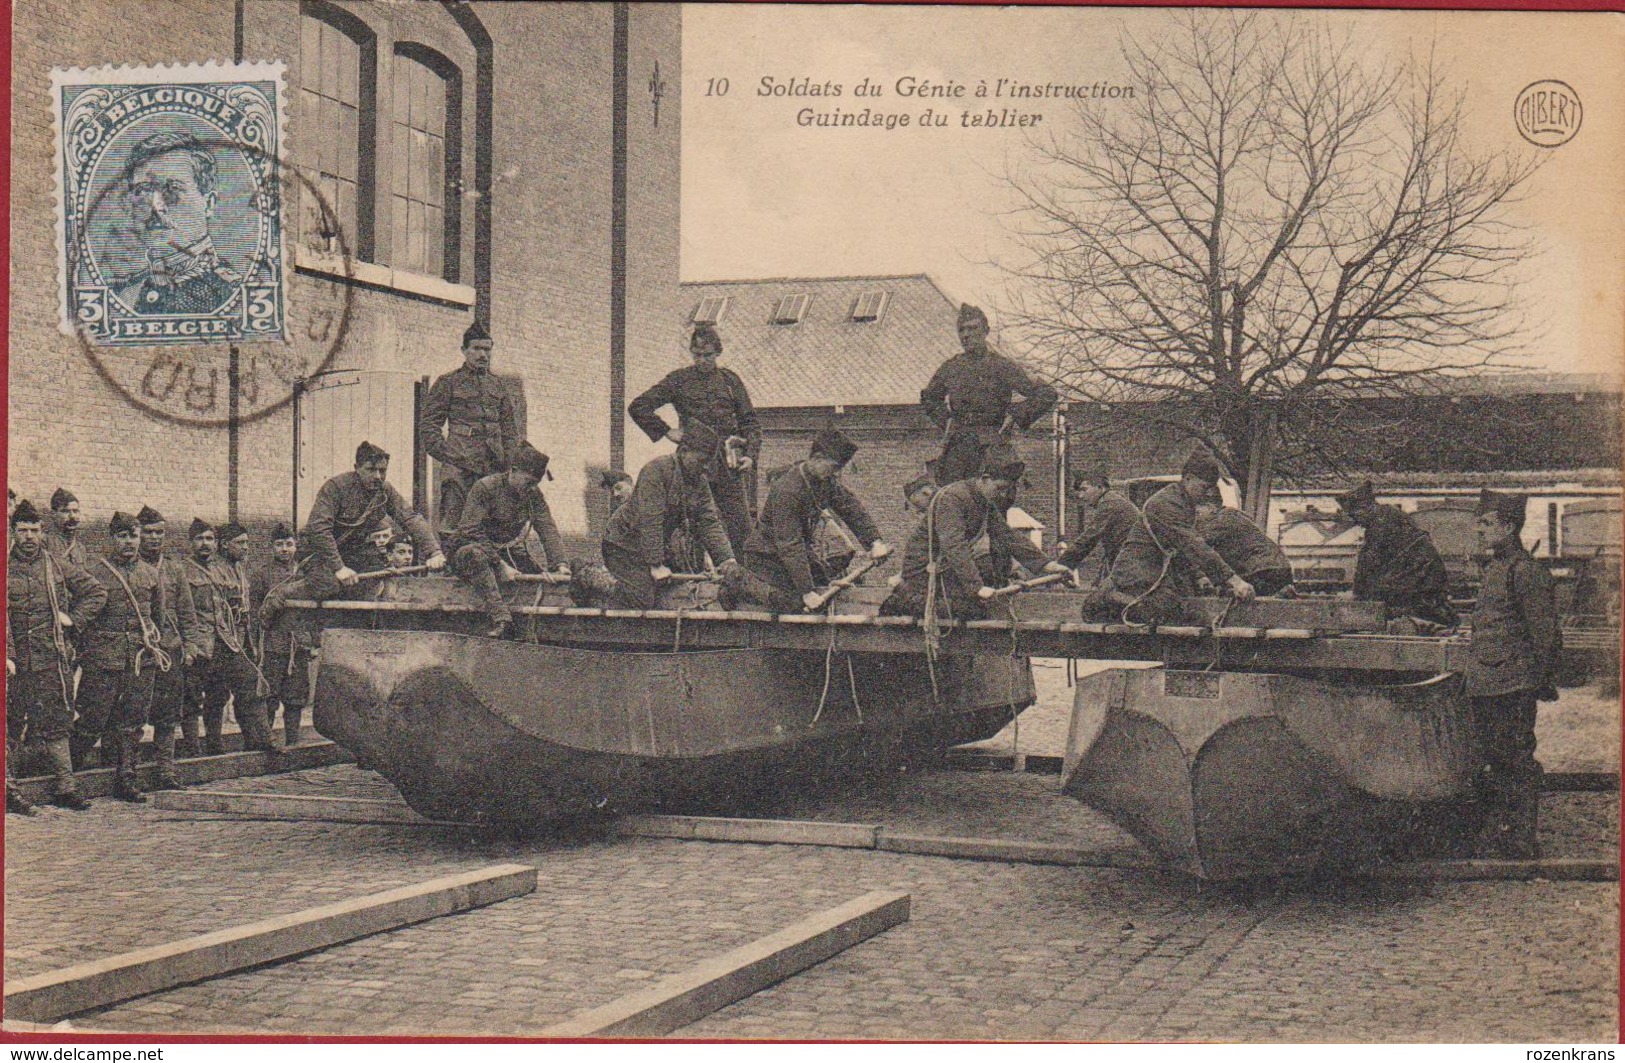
{"points": [[1269, 228]]}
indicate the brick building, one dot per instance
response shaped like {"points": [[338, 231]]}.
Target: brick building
{"points": [[516, 161]]}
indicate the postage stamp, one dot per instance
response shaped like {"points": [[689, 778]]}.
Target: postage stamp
{"points": [[169, 209]]}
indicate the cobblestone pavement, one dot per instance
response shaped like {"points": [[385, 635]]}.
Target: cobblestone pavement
{"points": [[991, 951]]}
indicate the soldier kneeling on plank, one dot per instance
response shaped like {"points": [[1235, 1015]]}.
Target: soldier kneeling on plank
{"points": [[939, 561], [785, 573], [1398, 564], [488, 547], [671, 495], [1256, 557], [1515, 650], [46, 600]]}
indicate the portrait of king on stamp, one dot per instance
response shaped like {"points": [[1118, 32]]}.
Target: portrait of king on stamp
{"points": [[170, 212]]}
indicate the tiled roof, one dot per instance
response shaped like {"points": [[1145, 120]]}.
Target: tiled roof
{"points": [[828, 359]]}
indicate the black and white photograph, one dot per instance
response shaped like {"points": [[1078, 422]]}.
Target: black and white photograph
{"points": [[813, 522]]}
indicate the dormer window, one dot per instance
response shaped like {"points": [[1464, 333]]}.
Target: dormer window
{"points": [[710, 310], [790, 309], [870, 306]]}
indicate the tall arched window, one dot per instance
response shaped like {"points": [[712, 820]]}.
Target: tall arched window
{"points": [[338, 85], [425, 185]]}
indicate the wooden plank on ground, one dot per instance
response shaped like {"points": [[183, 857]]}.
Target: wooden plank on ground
{"points": [[685, 998], [1557, 870], [996, 849], [98, 983], [1580, 782], [200, 771], [296, 807], [760, 831]]}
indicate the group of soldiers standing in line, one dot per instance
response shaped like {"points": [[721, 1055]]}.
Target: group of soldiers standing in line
{"points": [[183, 637]]}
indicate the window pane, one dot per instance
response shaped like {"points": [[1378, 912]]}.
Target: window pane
{"points": [[349, 63], [398, 226], [432, 240], [434, 171], [348, 134], [400, 92]]}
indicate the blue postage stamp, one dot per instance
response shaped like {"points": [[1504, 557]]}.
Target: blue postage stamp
{"points": [[169, 204]]}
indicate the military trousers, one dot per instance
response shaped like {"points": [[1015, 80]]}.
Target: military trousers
{"points": [[478, 564], [954, 599], [287, 669], [168, 693], [770, 584], [230, 675], [733, 506], [112, 701], [37, 707], [961, 456], [1270, 581], [635, 588], [1509, 773], [454, 488]]}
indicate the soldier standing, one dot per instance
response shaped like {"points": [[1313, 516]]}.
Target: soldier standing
{"points": [[179, 636], [287, 649], [970, 399], [704, 393], [481, 427], [1515, 649], [45, 600], [200, 582], [122, 654], [63, 538], [233, 672], [1398, 564], [671, 495], [1110, 518], [780, 551], [488, 548]]}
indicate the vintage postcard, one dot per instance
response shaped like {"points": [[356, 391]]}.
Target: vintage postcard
{"points": [[813, 522]]}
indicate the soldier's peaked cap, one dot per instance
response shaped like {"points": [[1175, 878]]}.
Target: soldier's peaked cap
{"points": [[148, 515], [1360, 497], [610, 477], [527, 458], [969, 314], [199, 526], [25, 513], [914, 486], [705, 337], [1509, 508], [281, 532], [833, 444], [121, 522], [61, 497], [367, 453], [474, 332], [1001, 462], [700, 437], [231, 530], [1202, 466]]}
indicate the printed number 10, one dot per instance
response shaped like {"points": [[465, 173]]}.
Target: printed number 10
{"points": [[716, 86]]}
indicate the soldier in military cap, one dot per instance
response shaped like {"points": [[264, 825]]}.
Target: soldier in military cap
{"points": [[122, 653], [780, 553], [1254, 556], [918, 491], [705, 393], [1159, 561], [1512, 665], [181, 638], [619, 486], [489, 547], [202, 542], [1109, 517], [959, 514], [970, 399], [1398, 564], [234, 670], [671, 496], [469, 424], [46, 600], [286, 649], [63, 537]]}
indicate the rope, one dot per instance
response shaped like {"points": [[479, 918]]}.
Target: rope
{"points": [[64, 652], [1167, 563], [150, 636]]}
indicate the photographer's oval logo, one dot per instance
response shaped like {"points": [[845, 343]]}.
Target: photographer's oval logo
{"points": [[1548, 113]]}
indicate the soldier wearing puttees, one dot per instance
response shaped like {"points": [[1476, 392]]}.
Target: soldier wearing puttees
{"points": [[970, 399], [1398, 564], [670, 495], [1254, 556], [1159, 561], [958, 515], [47, 600], [121, 655], [180, 637], [287, 648], [779, 553], [704, 393], [1109, 517], [489, 546], [1512, 665], [63, 537], [480, 422], [233, 670]]}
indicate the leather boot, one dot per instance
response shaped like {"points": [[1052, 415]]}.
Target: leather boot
{"points": [[79, 747], [163, 744], [292, 717], [187, 747], [124, 787], [65, 791], [16, 803]]}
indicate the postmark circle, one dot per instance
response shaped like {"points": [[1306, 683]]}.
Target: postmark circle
{"points": [[191, 384], [1548, 113]]}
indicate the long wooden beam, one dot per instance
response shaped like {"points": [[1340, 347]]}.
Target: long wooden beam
{"points": [[683, 999], [197, 771], [294, 807], [98, 983]]}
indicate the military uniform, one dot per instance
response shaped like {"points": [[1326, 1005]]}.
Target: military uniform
{"points": [[956, 518], [1107, 525], [969, 398], [339, 535], [287, 650], [180, 637], [780, 551], [69, 551], [663, 502], [1158, 563], [477, 412], [1513, 660], [495, 521], [39, 697], [226, 670], [193, 281], [122, 654], [1245, 548], [716, 398], [1399, 566]]}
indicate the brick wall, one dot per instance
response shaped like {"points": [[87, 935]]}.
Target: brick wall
{"points": [[550, 278]]}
